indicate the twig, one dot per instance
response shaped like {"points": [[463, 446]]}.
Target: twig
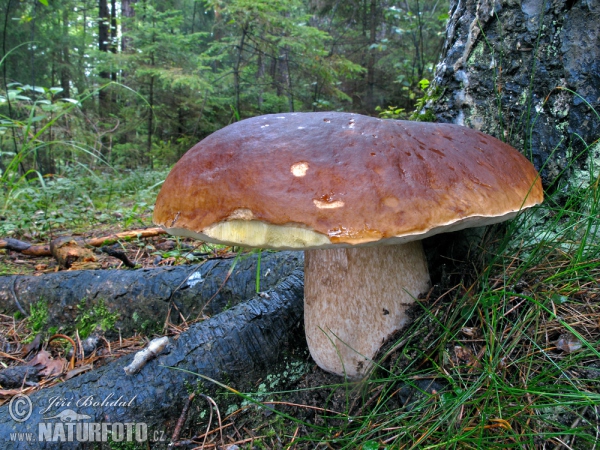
{"points": [[44, 249], [182, 418], [573, 425], [302, 406], [229, 272], [294, 437], [72, 342], [213, 403], [117, 254], [114, 238], [14, 294]]}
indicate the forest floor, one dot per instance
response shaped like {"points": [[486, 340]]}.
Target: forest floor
{"points": [[502, 353]]}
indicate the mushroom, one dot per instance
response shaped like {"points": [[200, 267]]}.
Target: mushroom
{"points": [[358, 194]]}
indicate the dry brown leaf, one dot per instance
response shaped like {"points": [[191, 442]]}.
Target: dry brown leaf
{"points": [[77, 371], [568, 343], [50, 366], [32, 346], [464, 354]]}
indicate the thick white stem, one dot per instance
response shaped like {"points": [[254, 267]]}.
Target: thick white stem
{"points": [[356, 298]]}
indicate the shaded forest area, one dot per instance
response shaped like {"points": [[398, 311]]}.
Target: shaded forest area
{"points": [[137, 83]]}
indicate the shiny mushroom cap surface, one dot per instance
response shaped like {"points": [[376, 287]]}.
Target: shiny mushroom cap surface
{"points": [[329, 179]]}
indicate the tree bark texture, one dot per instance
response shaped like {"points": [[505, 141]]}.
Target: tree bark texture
{"points": [[509, 68], [236, 347], [144, 297], [103, 41]]}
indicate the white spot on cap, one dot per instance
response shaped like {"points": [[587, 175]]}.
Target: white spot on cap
{"points": [[351, 123], [328, 205], [262, 126], [301, 128], [299, 169], [281, 117], [326, 120]]}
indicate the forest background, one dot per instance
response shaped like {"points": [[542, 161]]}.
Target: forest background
{"points": [[136, 83]]}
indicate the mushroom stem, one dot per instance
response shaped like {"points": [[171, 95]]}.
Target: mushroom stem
{"points": [[356, 298]]}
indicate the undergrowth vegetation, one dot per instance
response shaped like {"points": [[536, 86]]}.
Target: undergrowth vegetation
{"points": [[503, 353], [506, 355], [78, 200]]}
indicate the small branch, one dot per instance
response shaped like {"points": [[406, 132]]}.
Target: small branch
{"points": [[25, 247], [15, 298], [182, 418], [124, 236], [118, 254], [44, 249]]}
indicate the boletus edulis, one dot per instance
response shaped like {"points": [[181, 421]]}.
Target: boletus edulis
{"points": [[357, 194]]}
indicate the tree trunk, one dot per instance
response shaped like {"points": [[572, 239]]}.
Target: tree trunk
{"points": [[370, 103], [236, 347], [103, 41], [127, 15], [260, 73], [236, 69], [65, 72], [511, 69], [113, 33]]}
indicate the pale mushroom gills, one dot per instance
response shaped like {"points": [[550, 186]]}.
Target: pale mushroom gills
{"points": [[358, 194]]}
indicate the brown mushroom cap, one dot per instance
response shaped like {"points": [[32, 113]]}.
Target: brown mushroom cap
{"points": [[328, 179]]}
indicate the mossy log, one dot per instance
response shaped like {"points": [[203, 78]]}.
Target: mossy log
{"points": [[237, 347], [143, 298]]}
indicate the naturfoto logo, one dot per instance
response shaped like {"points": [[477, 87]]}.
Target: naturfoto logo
{"points": [[63, 422]]}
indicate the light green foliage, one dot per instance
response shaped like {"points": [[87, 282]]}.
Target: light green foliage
{"points": [[429, 94], [192, 67], [97, 317], [38, 318], [272, 386], [270, 32], [77, 200], [391, 112]]}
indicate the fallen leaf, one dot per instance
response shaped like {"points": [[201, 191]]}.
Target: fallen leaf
{"points": [[48, 365], [32, 346], [568, 343], [78, 371], [464, 354]]}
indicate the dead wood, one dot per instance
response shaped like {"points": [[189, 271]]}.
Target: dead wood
{"points": [[25, 247], [125, 236], [114, 251], [70, 252], [145, 298], [236, 347], [45, 249], [15, 377]]}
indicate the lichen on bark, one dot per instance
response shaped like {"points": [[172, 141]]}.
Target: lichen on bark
{"points": [[527, 72]]}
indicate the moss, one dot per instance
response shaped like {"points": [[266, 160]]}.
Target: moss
{"points": [[477, 54], [88, 320], [37, 319]]}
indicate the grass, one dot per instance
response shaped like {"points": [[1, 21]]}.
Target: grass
{"points": [[78, 201], [505, 355]]}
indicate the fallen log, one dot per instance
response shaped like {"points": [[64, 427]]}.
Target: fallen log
{"points": [[25, 247], [237, 347], [144, 297], [44, 249], [69, 250]]}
